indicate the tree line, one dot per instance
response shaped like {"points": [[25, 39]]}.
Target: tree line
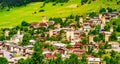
{"points": [[12, 3]]}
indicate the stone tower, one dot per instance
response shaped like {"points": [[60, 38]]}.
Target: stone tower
{"points": [[100, 16], [58, 26], [102, 26], [106, 38], [6, 33], [111, 29], [67, 35], [81, 20], [91, 38], [44, 19], [103, 20], [18, 32], [72, 35], [50, 33]]}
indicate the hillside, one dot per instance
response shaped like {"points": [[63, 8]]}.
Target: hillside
{"points": [[30, 12]]}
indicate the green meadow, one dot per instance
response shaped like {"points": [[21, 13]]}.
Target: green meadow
{"points": [[27, 13]]}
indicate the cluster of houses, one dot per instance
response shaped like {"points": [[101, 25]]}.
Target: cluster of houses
{"points": [[14, 52]]}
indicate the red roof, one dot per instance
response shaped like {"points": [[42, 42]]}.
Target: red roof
{"points": [[82, 37], [101, 43], [79, 55], [38, 24], [70, 48], [43, 24], [78, 50], [49, 55], [34, 25], [88, 56], [77, 44]]}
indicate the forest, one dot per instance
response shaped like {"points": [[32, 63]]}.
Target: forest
{"points": [[12, 3]]}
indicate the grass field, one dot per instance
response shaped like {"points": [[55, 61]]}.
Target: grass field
{"points": [[18, 14]]}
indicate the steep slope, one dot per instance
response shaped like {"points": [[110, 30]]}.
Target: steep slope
{"points": [[30, 12]]}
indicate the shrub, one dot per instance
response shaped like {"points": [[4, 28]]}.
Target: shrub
{"points": [[41, 10], [54, 4], [35, 12], [102, 10], [118, 2], [61, 4], [8, 10]]}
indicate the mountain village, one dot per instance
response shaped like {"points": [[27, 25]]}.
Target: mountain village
{"points": [[65, 40]]}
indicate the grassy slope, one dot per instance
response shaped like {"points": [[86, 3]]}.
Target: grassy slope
{"points": [[17, 14]]}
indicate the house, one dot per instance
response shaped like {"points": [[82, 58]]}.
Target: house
{"points": [[73, 24], [102, 30], [57, 26], [95, 21], [42, 23], [51, 22], [86, 27], [113, 15], [94, 61], [35, 25], [114, 45], [11, 61], [87, 56], [1, 54], [32, 42], [59, 45], [27, 55], [62, 51], [15, 39], [47, 54], [77, 45], [107, 18], [78, 51]]}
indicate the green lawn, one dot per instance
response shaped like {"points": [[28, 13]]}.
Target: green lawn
{"points": [[18, 14]]}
